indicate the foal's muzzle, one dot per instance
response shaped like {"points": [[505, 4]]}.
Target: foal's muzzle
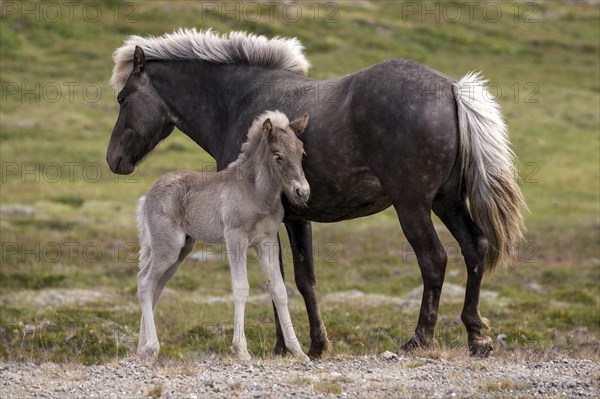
{"points": [[301, 193]]}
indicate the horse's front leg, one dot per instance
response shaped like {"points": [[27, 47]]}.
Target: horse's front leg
{"points": [[268, 251], [300, 234], [236, 251]]}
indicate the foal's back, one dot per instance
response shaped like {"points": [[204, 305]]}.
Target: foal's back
{"points": [[202, 206], [189, 202]]}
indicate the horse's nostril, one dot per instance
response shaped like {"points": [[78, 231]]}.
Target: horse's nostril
{"points": [[299, 192]]}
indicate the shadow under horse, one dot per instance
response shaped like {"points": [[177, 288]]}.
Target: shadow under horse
{"points": [[397, 133]]}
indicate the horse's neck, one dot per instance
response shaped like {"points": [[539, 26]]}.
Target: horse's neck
{"points": [[205, 101], [186, 89], [201, 98]]}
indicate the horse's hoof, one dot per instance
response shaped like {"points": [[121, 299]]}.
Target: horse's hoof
{"points": [[317, 348], [416, 343], [280, 350], [481, 347]]}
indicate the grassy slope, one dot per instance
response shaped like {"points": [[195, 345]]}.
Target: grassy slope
{"points": [[547, 71]]}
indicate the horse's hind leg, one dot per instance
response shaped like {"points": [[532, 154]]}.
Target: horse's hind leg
{"points": [[152, 278], [455, 215], [415, 219]]}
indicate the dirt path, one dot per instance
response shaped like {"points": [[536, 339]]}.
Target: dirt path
{"points": [[382, 376]]}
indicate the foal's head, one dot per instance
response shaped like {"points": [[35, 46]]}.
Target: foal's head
{"points": [[285, 152]]}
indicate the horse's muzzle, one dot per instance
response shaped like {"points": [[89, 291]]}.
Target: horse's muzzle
{"points": [[119, 165]]}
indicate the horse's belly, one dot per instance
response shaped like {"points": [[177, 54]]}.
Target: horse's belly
{"points": [[344, 212], [360, 195]]}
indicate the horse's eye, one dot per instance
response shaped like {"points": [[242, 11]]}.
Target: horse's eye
{"points": [[120, 99], [277, 157]]}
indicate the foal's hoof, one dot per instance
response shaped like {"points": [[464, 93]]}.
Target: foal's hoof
{"points": [[242, 354], [303, 359], [481, 347], [244, 357], [148, 352]]}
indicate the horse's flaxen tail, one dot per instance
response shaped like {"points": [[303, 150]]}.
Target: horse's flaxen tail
{"points": [[145, 248], [495, 199]]}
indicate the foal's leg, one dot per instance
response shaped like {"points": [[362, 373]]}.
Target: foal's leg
{"points": [[236, 250], [162, 282], [474, 247], [162, 265], [280, 348], [300, 233], [269, 256]]}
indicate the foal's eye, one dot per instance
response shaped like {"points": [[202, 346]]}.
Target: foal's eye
{"points": [[277, 157]]}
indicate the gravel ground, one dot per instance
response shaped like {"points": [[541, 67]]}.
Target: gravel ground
{"points": [[382, 376]]}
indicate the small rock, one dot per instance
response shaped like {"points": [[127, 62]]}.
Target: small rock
{"points": [[387, 355]]}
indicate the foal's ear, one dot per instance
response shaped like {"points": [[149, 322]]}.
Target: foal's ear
{"points": [[267, 128], [299, 124], [139, 60]]}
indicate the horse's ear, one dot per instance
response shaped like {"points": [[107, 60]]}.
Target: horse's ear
{"points": [[299, 124], [139, 60], [267, 128]]}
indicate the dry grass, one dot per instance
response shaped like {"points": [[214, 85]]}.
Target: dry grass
{"points": [[236, 387], [327, 387], [506, 385], [302, 381], [155, 392], [530, 355], [413, 364]]}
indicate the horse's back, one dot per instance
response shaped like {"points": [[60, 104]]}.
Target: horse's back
{"points": [[410, 97], [405, 124]]}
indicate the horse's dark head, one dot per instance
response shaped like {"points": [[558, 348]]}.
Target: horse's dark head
{"points": [[144, 120]]}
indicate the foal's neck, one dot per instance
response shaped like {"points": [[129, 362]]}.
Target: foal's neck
{"points": [[256, 170]]}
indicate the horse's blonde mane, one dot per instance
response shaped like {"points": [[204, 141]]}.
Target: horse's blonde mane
{"points": [[190, 44]]}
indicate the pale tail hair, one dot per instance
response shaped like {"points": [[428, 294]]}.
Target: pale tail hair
{"points": [[144, 240], [488, 167]]}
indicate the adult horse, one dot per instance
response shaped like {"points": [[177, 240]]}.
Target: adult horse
{"points": [[397, 133]]}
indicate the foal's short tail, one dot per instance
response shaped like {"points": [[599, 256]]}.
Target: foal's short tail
{"points": [[495, 199], [143, 233]]}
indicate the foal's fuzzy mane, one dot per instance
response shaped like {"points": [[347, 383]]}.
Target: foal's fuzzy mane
{"points": [[255, 134], [231, 48]]}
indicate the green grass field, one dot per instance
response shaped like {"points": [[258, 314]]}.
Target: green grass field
{"points": [[69, 248]]}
